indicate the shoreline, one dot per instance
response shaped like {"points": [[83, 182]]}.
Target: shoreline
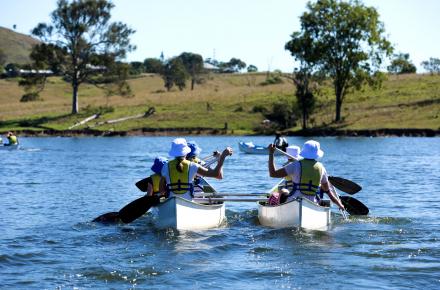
{"points": [[328, 132]]}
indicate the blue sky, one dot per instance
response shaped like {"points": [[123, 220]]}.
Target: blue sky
{"points": [[253, 30]]}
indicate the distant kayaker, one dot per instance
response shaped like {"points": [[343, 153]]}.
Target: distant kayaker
{"points": [[12, 139], [179, 173], [280, 142], [309, 176]]}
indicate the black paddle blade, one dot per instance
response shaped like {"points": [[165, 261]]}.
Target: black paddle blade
{"points": [[137, 208], [345, 185], [354, 206], [110, 217], [143, 184]]}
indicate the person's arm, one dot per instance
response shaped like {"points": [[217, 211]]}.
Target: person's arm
{"points": [[327, 189], [150, 189], [273, 172], [163, 187], [217, 172]]}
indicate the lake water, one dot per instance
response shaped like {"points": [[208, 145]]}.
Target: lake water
{"points": [[52, 188]]}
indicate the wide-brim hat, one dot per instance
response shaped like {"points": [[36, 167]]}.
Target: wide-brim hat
{"points": [[293, 151], [195, 149], [158, 164], [311, 150], [179, 148]]}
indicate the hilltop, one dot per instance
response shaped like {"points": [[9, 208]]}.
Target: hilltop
{"points": [[409, 104], [16, 46]]}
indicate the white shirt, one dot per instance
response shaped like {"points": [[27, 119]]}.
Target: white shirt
{"points": [[193, 167], [294, 170]]}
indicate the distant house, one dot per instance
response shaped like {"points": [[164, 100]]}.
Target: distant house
{"points": [[210, 67]]}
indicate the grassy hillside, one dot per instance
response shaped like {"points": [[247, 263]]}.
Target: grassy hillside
{"points": [[16, 46], [409, 101]]}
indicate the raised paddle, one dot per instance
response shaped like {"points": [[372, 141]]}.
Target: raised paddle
{"points": [[354, 206], [340, 183]]}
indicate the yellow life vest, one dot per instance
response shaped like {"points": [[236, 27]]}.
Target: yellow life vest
{"points": [[311, 172], [12, 140], [179, 181], [155, 182]]}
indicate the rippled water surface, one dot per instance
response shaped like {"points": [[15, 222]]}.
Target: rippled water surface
{"points": [[52, 188]]}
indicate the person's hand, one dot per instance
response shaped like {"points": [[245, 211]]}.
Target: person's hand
{"points": [[227, 152], [216, 153], [271, 148]]}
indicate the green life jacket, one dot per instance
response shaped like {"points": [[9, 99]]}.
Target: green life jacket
{"points": [[155, 182], [310, 180], [179, 182], [12, 140]]}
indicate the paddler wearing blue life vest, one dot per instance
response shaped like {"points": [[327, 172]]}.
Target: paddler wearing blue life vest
{"points": [[153, 187], [309, 176], [179, 173]]}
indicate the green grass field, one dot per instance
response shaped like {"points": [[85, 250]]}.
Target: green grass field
{"points": [[406, 101]]}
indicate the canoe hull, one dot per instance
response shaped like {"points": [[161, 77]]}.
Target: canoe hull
{"points": [[182, 214], [300, 213], [254, 149]]}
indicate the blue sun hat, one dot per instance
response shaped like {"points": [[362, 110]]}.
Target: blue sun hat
{"points": [[179, 148], [158, 164], [195, 149], [311, 150]]}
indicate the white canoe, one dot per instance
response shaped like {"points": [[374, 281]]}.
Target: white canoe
{"points": [[298, 213], [250, 148], [9, 147], [183, 214]]}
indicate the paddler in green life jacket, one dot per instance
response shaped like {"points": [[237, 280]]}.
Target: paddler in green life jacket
{"points": [[309, 176], [12, 139], [179, 173], [281, 195]]}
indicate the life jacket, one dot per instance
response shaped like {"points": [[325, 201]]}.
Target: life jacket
{"points": [[155, 182], [12, 140], [310, 180], [178, 182]]}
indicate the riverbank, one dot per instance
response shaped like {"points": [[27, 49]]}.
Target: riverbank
{"points": [[232, 104], [404, 132]]}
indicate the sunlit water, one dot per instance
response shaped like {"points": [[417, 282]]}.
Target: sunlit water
{"points": [[52, 188]]}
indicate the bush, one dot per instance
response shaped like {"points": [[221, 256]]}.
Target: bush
{"points": [[259, 109], [272, 80], [30, 97], [239, 109]]}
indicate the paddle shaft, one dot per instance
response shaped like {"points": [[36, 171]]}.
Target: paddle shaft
{"points": [[210, 199], [230, 194]]}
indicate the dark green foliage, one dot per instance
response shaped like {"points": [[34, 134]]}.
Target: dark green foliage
{"points": [[304, 94], [136, 68], [153, 65], [83, 43], [30, 97], [272, 80], [193, 64], [401, 64], [259, 109], [175, 74], [432, 65], [343, 40], [283, 113], [252, 68], [233, 65]]}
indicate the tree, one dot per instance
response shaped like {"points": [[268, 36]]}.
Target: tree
{"points": [[252, 68], [193, 64], [432, 65], [235, 64], [175, 74], [341, 40], [305, 97], [401, 64], [89, 42], [153, 65], [136, 67]]}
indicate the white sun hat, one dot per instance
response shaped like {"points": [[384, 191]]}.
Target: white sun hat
{"points": [[293, 151], [179, 148], [311, 150]]}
